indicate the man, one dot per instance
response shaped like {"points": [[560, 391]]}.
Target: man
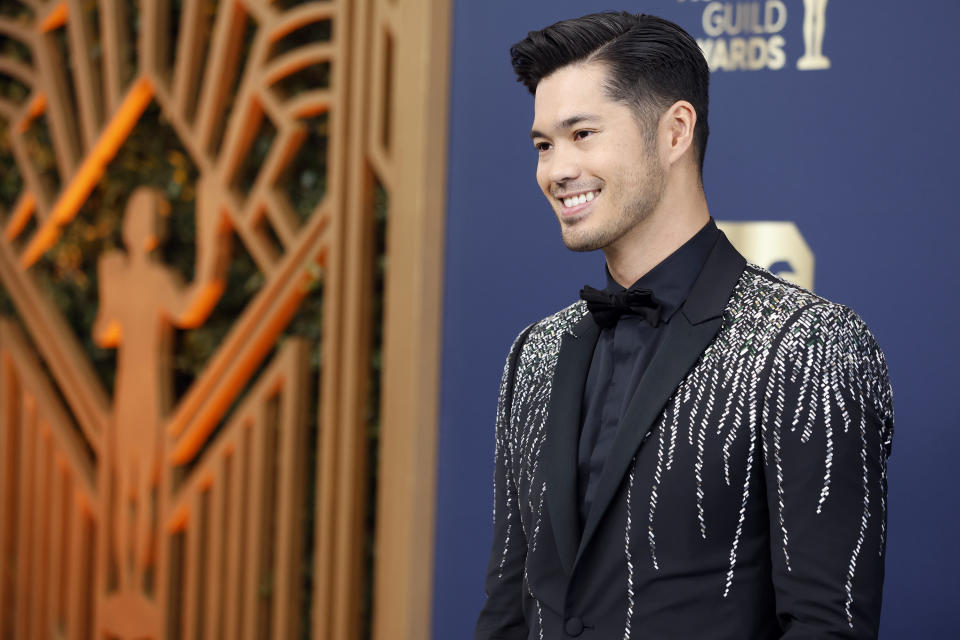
{"points": [[699, 450]]}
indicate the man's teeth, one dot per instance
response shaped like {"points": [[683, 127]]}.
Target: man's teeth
{"points": [[580, 199]]}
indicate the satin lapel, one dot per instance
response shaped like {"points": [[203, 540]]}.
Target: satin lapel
{"points": [[685, 338], [563, 435]]}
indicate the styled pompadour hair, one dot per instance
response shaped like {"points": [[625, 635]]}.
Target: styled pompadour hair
{"points": [[651, 63]]}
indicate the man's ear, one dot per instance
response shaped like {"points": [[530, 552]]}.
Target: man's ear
{"points": [[676, 130]]}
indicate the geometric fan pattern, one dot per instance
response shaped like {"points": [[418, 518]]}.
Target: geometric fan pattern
{"points": [[139, 513]]}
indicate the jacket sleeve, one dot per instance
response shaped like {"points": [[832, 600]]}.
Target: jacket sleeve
{"points": [[502, 616], [828, 426]]}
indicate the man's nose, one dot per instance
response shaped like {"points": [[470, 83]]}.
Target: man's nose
{"points": [[564, 166]]}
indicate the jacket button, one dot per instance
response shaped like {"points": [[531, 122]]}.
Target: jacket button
{"points": [[573, 626]]}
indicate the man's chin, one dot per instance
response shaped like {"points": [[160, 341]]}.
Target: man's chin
{"points": [[580, 242]]}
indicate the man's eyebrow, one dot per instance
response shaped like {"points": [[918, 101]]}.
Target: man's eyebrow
{"points": [[567, 123]]}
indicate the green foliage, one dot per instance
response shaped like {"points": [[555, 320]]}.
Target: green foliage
{"points": [[11, 184], [18, 11]]}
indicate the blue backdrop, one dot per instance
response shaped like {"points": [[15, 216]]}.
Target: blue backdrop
{"points": [[861, 156]]}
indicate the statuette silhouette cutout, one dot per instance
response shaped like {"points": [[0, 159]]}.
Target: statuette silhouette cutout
{"points": [[814, 30], [142, 300]]}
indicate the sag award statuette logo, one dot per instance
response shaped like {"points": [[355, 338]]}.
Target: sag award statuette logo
{"points": [[750, 36], [777, 246], [814, 28]]}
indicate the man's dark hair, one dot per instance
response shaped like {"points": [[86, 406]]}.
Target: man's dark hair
{"points": [[651, 63]]}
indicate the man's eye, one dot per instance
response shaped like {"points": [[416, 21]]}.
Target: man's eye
{"points": [[542, 146], [580, 135]]}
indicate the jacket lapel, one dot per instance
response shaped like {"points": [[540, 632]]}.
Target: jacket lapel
{"points": [[686, 336], [563, 434]]}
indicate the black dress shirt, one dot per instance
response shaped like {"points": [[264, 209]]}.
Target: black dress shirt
{"points": [[622, 354]]}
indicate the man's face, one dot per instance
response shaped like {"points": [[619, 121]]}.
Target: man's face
{"points": [[597, 164]]}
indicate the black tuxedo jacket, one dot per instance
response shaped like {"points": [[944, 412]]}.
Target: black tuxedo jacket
{"points": [[744, 497]]}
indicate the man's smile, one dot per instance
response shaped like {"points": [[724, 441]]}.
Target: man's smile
{"points": [[578, 198], [573, 203]]}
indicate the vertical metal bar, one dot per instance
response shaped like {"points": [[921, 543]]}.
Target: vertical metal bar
{"points": [[236, 548], [9, 428], [58, 108], [77, 571], [192, 532], [148, 44], [114, 44], [254, 551], [55, 569], [348, 68], [25, 536], [217, 527], [85, 78], [288, 541], [227, 39], [41, 530], [188, 63]]}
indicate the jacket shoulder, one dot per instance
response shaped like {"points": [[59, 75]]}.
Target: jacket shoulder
{"points": [[550, 328], [540, 341], [783, 304], [759, 290], [560, 322], [790, 322]]}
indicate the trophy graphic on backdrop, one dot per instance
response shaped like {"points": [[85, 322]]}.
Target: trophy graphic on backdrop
{"points": [[774, 245], [814, 29], [141, 301]]}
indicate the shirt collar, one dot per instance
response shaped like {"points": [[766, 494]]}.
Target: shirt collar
{"points": [[672, 279]]}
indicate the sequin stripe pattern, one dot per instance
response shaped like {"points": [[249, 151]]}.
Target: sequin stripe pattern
{"points": [[537, 605], [502, 456], [779, 345], [780, 348], [531, 401], [718, 398], [626, 550], [842, 378], [528, 417], [520, 427]]}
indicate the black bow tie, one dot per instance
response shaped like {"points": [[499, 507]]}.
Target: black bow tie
{"points": [[607, 308]]}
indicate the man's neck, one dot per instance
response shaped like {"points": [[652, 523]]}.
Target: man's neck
{"points": [[665, 230]]}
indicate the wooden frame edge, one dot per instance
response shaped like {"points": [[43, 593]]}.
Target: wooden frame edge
{"points": [[413, 306]]}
